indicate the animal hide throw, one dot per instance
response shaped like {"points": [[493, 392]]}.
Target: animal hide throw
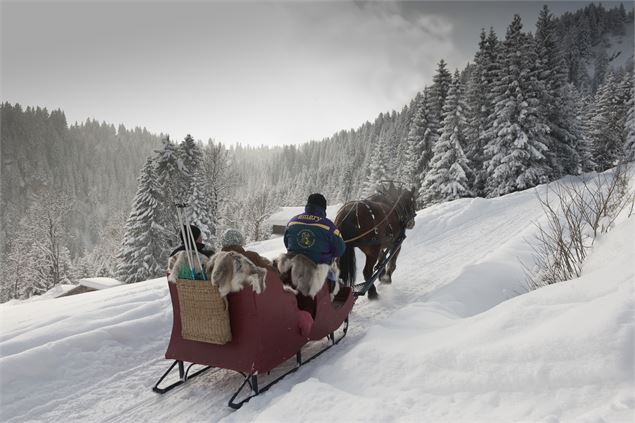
{"points": [[178, 264], [306, 276], [231, 271]]}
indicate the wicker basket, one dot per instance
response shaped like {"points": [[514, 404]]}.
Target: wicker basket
{"points": [[204, 313]]}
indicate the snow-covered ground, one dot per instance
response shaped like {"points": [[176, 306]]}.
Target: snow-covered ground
{"points": [[452, 340]]}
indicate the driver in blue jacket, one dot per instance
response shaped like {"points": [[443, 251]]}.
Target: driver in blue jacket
{"points": [[313, 235]]}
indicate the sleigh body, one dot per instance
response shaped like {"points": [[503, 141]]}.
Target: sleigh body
{"points": [[267, 329]]}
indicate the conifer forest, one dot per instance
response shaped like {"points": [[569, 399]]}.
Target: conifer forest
{"points": [[546, 99]]}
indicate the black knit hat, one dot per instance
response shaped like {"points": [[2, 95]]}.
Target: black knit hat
{"points": [[316, 200], [195, 231]]}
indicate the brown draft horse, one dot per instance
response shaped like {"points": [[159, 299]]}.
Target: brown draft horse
{"points": [[372, 225]]}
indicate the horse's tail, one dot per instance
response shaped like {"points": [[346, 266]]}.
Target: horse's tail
{"points": [[347, 265]]}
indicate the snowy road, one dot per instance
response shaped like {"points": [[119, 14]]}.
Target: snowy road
{"points": [[446, 342]]}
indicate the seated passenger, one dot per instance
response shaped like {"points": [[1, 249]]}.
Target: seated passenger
{"points": [[233, 240], [314, 236], [204, 252]]}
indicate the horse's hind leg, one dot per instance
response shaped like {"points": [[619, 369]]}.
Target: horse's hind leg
{"points": [[372, 293]]}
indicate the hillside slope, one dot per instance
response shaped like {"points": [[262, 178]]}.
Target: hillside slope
{"points": [[451, 340]]}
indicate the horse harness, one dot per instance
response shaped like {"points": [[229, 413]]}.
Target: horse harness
{"points": [[403, 215]]}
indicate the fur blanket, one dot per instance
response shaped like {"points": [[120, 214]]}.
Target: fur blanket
{"points": [[231, 271], [255, 258], [180, 259], [306, 277]]}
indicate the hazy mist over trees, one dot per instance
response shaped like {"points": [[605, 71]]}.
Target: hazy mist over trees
{"points": [[535, 104]]}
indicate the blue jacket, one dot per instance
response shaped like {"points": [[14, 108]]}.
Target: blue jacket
{"points": [[313, 235]]}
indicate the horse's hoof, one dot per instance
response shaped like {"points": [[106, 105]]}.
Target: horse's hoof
{"points": [[373, 295], [385, 280]]}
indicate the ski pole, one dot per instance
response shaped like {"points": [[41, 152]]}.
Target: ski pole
{"points": [[191, 235], [184, 236]]}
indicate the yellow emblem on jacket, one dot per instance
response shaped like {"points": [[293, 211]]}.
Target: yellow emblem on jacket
{"points": [[306, 238]]}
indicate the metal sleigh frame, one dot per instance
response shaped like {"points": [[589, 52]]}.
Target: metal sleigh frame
{"points": [[266, 332], [184, 376], [250, 379]]}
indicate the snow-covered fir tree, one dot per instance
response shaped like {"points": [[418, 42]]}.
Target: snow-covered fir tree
{"points": [[172, 189], [516, 150], [143, 252], [391, 136], [563, 137], [606, 127], [480, 100], [402, 129], [441, 82], [577, 108], [199, 207], [624, 98], [169, 170], [347, 182], [448, 177], [220, 177], [419, 142], [629, 146], [377, 168], [601, 70]]}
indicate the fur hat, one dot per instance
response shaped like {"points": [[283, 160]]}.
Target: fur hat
{"points": [[232, 237], [316, 200]]}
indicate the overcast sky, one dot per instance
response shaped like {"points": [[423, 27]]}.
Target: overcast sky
{"points": [[250, 72]]}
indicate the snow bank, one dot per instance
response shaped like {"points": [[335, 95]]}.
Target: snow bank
{"points": [[59, 351]]}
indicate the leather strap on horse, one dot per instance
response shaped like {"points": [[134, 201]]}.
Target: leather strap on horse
{"points": [[374, 227]]}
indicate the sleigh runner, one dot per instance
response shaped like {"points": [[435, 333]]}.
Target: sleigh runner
{"points": [[266, 330]]}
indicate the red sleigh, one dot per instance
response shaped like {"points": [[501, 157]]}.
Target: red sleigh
{"points": [[266, 330]]}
